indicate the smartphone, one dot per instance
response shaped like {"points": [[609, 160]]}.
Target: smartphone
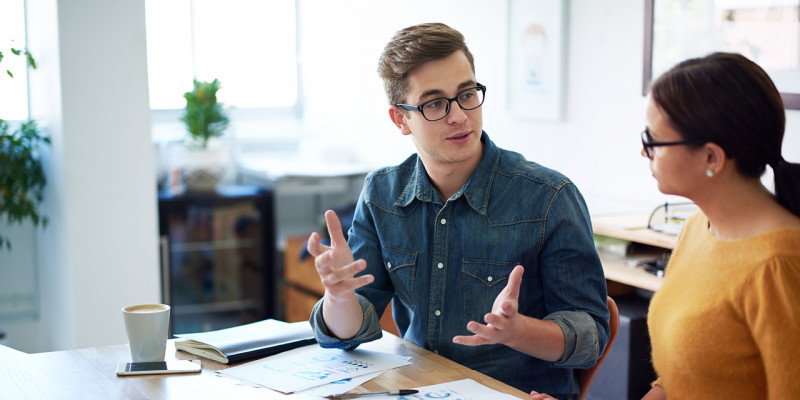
{"points": [[158, 367]]}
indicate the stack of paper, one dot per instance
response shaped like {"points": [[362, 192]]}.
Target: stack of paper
{"points": [[465, 389], [312, 366]]}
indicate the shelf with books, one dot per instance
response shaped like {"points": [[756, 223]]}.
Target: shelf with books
{"points": [[630, 243], [218, 254]]}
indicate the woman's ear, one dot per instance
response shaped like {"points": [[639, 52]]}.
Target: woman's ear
{"points": [[398, 117], [715, 158]]}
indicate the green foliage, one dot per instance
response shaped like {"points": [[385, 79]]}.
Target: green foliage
{"points": [[22, 178], [28, 57], [203, 116]]}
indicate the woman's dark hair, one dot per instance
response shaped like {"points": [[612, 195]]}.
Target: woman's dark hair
{"points": [[725, 98]]}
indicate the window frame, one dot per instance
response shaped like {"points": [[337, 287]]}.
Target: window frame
{"points": [[263, 119]]}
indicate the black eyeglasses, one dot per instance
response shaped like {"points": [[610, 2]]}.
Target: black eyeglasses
{"points": [[648, 143], [436, 109]]}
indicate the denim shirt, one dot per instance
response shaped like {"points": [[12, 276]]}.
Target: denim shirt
{"points": [[445, 262]]}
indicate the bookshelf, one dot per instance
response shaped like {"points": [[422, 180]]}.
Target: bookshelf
{"points": [[217, 257], [622, 268]]}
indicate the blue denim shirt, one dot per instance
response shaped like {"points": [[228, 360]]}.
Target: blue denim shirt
{"points": [[444, 263]]}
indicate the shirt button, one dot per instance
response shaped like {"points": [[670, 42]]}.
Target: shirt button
{"points": [[440, 265], [389, 265], [443, 221], [489, 279], [437, 313]]}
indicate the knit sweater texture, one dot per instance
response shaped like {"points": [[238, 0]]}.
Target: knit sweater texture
{"points": [[726, 322]]}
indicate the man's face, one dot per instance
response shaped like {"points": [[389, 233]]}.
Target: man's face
{"points": [[455, 139]]}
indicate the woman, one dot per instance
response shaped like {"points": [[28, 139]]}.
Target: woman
{"points": [[726, 322]]}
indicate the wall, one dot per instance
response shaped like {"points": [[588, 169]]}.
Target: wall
{"points": [[597, 142], [100, 251]]}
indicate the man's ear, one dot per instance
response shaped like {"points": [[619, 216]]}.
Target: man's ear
{"points": [[398, 117]]}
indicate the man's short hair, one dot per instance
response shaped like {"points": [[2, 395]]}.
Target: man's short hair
{"points": [[412, 47]]}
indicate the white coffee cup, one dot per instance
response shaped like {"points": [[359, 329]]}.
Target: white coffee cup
{"points": [[147, 326]]}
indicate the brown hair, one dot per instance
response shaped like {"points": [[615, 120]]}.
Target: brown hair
{"points": [[412, 47], [725, 98]]}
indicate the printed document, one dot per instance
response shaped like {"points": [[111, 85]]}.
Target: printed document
{"points": [[311, 366]]}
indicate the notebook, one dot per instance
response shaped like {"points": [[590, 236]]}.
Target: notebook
{"points": [[244, 342]]}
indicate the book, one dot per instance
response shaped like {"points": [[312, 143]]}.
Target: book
{"points": [[244, 342]]}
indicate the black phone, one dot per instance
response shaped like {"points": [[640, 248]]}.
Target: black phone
{"points": [[159, 367]]}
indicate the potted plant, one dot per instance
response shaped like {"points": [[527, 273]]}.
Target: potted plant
{"points": [[22, 178], [201, 162], [203, 115]]}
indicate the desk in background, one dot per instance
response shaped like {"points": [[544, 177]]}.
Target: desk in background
{"points": [[304, 189], [90, 374], [621, 268]]}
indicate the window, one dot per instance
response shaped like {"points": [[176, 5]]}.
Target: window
{"points": [[13, 91], [249, 45]]}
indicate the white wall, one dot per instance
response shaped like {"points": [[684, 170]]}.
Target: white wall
{"points": [[100, 251], [597, 142]]}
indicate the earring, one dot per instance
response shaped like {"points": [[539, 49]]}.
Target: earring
{"points": [[710, 173]]}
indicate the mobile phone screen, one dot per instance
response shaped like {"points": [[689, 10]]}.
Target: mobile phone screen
{"points": [[147, 366], [159, 367]]}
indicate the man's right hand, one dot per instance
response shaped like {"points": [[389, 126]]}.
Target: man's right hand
{"points": [[337, 270]]}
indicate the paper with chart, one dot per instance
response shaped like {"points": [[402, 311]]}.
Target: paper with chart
{"points": [[465, 389], [312, 366], [342, 386], [319, 392]]}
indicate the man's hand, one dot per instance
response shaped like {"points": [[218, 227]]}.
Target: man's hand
{"points": [[541, 396], [340, 309], [334, 263], [502, 321]]}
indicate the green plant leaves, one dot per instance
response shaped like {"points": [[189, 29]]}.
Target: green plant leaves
{"points": [[203, 116], [31, 61], [22, 178], [28, 57]]}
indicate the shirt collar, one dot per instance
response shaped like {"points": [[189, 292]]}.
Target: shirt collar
{"points": [[476, 190]]}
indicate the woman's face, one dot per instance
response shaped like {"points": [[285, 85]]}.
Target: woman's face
{"points": [[679, 170]]}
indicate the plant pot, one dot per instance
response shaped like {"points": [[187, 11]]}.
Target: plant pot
{"points": [[199, 170]]}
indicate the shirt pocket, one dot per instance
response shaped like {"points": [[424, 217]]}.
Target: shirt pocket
{"points": [[482, 281], [402, 267]]}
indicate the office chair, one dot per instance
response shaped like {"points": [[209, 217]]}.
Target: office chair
{"points": [[586, 376]]}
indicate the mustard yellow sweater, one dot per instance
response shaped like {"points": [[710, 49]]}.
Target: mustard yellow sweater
{"points": [[726, 322]]}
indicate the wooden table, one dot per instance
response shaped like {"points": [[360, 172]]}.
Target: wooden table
{"points": [[91, 374]]}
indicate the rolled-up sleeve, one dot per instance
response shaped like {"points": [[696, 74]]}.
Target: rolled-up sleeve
{"points": [[370, 328], [580, 334], [574, 283]]}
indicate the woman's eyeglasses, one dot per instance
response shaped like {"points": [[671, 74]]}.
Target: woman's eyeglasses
{"points": [[648, 143]]}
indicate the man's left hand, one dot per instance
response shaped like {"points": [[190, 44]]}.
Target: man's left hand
{"points": [[502, 321]]}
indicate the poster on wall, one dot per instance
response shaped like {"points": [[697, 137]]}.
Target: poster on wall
{"points": [[536, 57]]}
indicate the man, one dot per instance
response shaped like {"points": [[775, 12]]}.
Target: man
{"points": [[447, 233]]}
